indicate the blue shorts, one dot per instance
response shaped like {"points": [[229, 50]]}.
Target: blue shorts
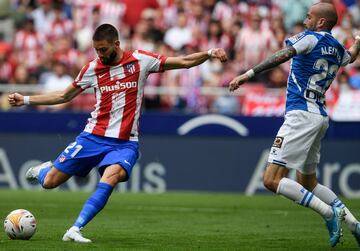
{"points": [[89, 151]]}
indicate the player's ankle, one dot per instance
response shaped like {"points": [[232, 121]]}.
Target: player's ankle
{"points": [[75, 228]]}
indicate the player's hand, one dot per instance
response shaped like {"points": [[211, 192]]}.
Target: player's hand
{"points": [[220, 54], [16, 99], [236, 82]]}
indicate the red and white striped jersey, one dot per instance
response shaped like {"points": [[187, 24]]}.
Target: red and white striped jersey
{"points": [[119, 89]]}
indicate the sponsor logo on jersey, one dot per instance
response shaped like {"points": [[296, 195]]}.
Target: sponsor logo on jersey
{"points": [[118, 86], [278, 142], [297, 37]]}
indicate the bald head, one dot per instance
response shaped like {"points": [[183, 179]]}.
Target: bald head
{"points": [[328, 12]]}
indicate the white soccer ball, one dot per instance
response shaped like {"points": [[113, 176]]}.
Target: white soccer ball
{"points": [[20, 224]]}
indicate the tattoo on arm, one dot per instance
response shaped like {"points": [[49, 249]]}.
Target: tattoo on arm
{"points": [[354, 50], [277, 58]]}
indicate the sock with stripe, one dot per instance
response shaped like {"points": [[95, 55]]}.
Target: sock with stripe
{"points": [[296, 192], [330, 198], [42, 175], [94, 204]]}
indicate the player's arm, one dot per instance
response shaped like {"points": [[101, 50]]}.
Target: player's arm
{"points": [[194, 59], [51, 98], [355, 49], [276, 59]]}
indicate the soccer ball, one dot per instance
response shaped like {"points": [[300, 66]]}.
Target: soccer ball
{"points": [[20, 224]]}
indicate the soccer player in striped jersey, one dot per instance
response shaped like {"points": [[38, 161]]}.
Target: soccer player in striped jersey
{"points": [[316, 57], [110, 138]]}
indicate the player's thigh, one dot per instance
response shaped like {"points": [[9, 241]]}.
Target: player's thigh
{"points": [[124, 155], [313, 157], [294, 140], [80, 157]]}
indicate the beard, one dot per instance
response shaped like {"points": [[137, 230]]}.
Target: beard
{"points": [[109, 60]]}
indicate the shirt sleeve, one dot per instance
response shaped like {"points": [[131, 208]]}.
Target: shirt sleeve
{"points": [[154, 62], [84, 78], [346, 58], [303, 43]]}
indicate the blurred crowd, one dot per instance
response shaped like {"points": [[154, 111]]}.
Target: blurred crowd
{"points": [[46, 42]]}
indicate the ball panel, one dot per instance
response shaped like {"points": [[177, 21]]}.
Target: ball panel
{"points": [[20, 224]]}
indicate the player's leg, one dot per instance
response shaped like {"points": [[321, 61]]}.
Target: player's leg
{"points": [[296, 192], [112, 176], [330, 198], [125, 156], [97, 201], [275, 180], [291, 149], [47, 175]]}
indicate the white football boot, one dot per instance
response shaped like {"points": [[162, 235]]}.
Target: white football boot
{"points": [[33, 172], [73, 234]]}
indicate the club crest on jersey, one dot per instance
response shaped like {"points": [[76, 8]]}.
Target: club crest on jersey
{"points": [[278, 142], [130, 67], [62, 158]]}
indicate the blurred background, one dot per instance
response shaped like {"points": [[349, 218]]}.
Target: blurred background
{"points": [[195, 134]]}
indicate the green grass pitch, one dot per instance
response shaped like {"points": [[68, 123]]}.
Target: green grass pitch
{"points": [[174, 221]]}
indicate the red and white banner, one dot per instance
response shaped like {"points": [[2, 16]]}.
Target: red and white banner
{"points": [[265, 102], [347, 107]]}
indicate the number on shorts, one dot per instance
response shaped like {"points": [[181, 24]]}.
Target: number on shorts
{"points": [[76, 150]]}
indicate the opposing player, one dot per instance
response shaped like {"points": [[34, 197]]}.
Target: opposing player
{"points": [[110, 138], [316, 57]]}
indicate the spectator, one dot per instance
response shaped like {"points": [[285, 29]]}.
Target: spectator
{"points": [[354, 73], [83, 35], [255, 43], [179, 35], [134, 9], [216, 37], [354, 11], [6, 20], [57, 80], [43, 15], [22, 76], [293, 11], [28, 45], [112, 12], [59, 26], [6, 66]]}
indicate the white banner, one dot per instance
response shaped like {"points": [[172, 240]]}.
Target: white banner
{"points": [[347, 107]]}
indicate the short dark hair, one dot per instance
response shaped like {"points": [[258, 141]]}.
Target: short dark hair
{"points": [[106, 32]]}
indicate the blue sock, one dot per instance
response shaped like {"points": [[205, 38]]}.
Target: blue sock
{"points": [[94, 204], [42, 175]]}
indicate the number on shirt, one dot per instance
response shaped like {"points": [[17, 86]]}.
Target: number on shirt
{"points": [[74, 146], [323, 65]]}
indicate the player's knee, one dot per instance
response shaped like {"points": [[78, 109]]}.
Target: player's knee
{"points": [[122, 176], [115, 178], [270, 183], [49, 183]]}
